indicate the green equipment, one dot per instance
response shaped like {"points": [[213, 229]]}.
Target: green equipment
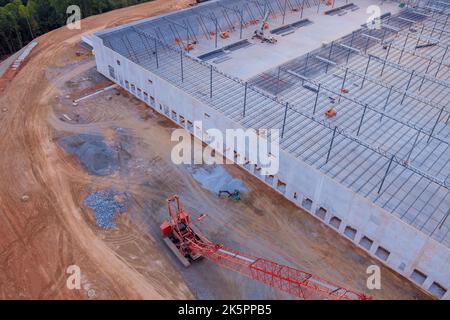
{"points": [[235, 195]]}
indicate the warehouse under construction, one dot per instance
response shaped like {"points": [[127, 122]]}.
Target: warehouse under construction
{"points": [[358, 90]]}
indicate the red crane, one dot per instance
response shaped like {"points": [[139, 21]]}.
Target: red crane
{"points": [[189, 245]]}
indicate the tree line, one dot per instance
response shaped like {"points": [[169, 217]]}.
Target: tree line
{"points": [[23, 20]]}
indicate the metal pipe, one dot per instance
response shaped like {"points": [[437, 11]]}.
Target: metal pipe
{"points": [[407, 87], [436, 123], [385, 59], [365, 72], [385, 175], [362, 119], [245, 98], [442, 61], [284, 119], [182, 66], [317, 98], [211, 82], [331, 145]]}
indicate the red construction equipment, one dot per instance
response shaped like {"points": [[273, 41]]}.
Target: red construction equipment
{"points": [[331, 112], [189, 245], [190, 46], [225, 35]]}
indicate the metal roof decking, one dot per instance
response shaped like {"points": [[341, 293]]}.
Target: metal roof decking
{"points": [[407, 132]]}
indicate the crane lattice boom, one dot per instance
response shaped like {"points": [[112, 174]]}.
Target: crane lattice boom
{"points": [[191, 244]]}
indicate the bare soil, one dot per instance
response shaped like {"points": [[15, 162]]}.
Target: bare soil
{"points": [[50, 228]]}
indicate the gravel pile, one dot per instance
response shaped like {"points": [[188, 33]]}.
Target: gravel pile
{"points": [[215, 178], [106, 204], [93, 153]]}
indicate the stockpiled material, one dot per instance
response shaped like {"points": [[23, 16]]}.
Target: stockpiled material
{"points": [[106, 204], [93, 153], [215, 178]]}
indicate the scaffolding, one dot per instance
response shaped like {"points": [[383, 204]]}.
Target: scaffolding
{"points": [[390, 142]]}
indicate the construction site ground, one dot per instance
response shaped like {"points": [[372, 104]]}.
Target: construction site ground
{"points": [[46, 227]]}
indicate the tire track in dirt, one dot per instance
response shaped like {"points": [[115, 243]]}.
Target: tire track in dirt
{"points": [[50, 232]]}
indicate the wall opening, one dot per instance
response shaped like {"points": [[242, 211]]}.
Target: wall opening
{"points": [[269, 179], [335, 222], [190, 125], [437, 290], [182, 121], [366, 243], [321, 213], [418, 276], [307, 203], [350, 232], [382, 253], [112, 73], [281, 186]]}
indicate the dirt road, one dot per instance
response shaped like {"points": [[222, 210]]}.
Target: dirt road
{"points": [[40, 237], [44, 226]]}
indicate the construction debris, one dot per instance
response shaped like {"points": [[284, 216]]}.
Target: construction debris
{"points": [[17, 63], [106, 204], [93, 153], [330, 113], [235, 195], [215, 178]]}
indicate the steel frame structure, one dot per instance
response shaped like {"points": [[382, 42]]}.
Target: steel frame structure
{"points": [[389, 143]]}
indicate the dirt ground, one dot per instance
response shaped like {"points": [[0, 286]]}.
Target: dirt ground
{"points": [[45, 227]]}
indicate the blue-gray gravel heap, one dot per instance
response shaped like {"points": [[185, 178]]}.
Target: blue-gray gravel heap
{"points": [[106, 206], [93, 153]]}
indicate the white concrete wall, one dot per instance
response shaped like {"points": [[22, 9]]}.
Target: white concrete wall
{"points": [[409, 249]]}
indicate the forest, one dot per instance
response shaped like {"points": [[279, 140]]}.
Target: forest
{"points": [[23, 20]]}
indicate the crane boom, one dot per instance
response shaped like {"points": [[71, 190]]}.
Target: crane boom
{"points": [[191, 244]]}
